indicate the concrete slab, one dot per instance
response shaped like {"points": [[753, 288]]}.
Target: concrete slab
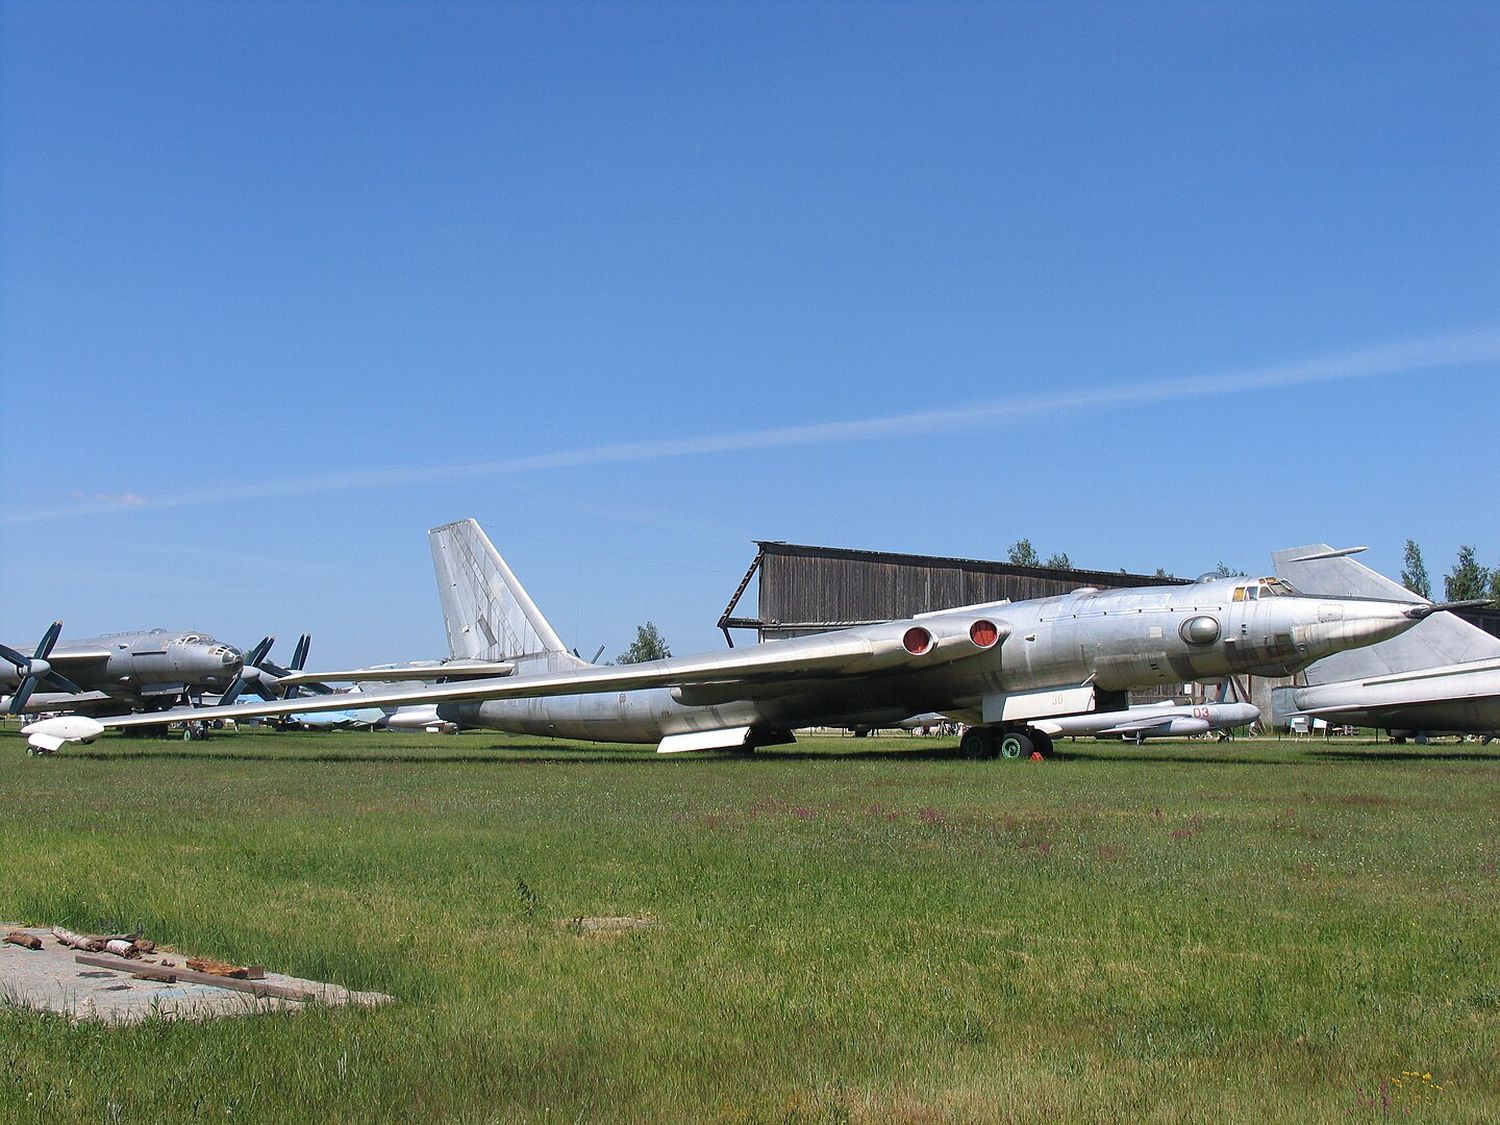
{"points": [[50, 980]]}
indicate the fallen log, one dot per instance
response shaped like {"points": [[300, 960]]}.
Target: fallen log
{"points": [[257, 988], [26, 941], [77, 941]]}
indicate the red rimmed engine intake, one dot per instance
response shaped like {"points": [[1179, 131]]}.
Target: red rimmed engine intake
{"points": [[984, 633], [916, 640]]}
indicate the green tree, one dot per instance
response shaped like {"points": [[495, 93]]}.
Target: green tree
{"points": [[1060, 561], [1223, 571], [649, 645], [1022, 553], [1467, 580], [1414, 573]]}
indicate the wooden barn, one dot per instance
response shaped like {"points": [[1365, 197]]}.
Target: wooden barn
{"points": [[806, 589]]}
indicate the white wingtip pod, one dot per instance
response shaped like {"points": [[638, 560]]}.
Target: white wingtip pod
{"points": [[47, 735]]}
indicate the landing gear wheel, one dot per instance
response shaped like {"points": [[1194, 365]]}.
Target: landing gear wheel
{"points": [[977, 743], [1015, 744], [1043, 743]]}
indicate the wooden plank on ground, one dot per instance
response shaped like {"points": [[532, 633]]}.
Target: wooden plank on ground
{"points": [[257, 988]]}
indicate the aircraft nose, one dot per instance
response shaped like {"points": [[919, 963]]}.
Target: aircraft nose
{"points": [[217, 665], [231, 662], [1353, 623]]}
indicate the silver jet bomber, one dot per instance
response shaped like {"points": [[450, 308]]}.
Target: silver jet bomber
{"points": [[1000, 666], [1442, 677], [114, 669]]}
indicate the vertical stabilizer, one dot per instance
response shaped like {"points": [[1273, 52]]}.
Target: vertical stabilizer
{"points": [[1437, 641], [487, 612]]}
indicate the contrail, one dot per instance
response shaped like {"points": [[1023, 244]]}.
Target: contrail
{"points": [[1461, 349]]}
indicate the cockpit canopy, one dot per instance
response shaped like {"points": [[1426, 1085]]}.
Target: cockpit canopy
{"points": [[1263, 588]]}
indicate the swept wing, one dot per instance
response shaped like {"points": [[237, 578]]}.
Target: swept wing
{"points": [[771, 669], [391, 674]]}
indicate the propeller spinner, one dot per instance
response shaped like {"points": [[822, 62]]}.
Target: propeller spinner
{"points": [[35, 669]]}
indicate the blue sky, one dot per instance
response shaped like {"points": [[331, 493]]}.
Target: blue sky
{"points": [[284, 285]]}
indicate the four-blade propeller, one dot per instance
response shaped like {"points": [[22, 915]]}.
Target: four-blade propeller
{"points": [[35, 669]]}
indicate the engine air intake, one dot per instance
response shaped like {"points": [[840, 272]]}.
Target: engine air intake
{"points": [[984, 634]]}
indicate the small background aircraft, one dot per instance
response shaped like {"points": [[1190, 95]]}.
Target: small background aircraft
{"points": [[1441, 677], [1160, 720]]}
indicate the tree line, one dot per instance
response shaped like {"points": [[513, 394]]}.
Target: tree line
{"points": [[1467, 581]]}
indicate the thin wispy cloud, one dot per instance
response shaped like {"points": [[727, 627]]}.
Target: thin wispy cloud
{"points": [[112, 499], [1403, 358]]}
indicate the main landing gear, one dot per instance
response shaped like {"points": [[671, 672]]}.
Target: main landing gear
{"points": [[1005, 742]]}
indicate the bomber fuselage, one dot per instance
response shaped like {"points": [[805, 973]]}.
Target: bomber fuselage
{"points": [[1077, 652], [126, 665]]}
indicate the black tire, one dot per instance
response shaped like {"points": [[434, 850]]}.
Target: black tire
{"points": [[1016, 744], [1043, 742], [977, 743]]}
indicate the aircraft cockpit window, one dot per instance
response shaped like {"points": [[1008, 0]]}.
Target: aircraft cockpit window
{"points": [[1239, 593], [1276, 588], [188, 639]]}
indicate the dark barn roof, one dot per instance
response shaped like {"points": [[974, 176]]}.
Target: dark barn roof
{"points": [[807, 589]]}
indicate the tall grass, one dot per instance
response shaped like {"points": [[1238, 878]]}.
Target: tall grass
{"points": [[841, 930]]}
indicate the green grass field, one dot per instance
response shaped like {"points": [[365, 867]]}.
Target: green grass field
{"points": [[866, 930]]}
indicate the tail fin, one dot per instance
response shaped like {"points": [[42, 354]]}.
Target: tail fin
{"points": [[487, 612], [1438, 640]]}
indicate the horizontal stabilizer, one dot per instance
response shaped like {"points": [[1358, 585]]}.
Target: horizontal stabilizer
{"points": [[465, 671], [1318, 554]]}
